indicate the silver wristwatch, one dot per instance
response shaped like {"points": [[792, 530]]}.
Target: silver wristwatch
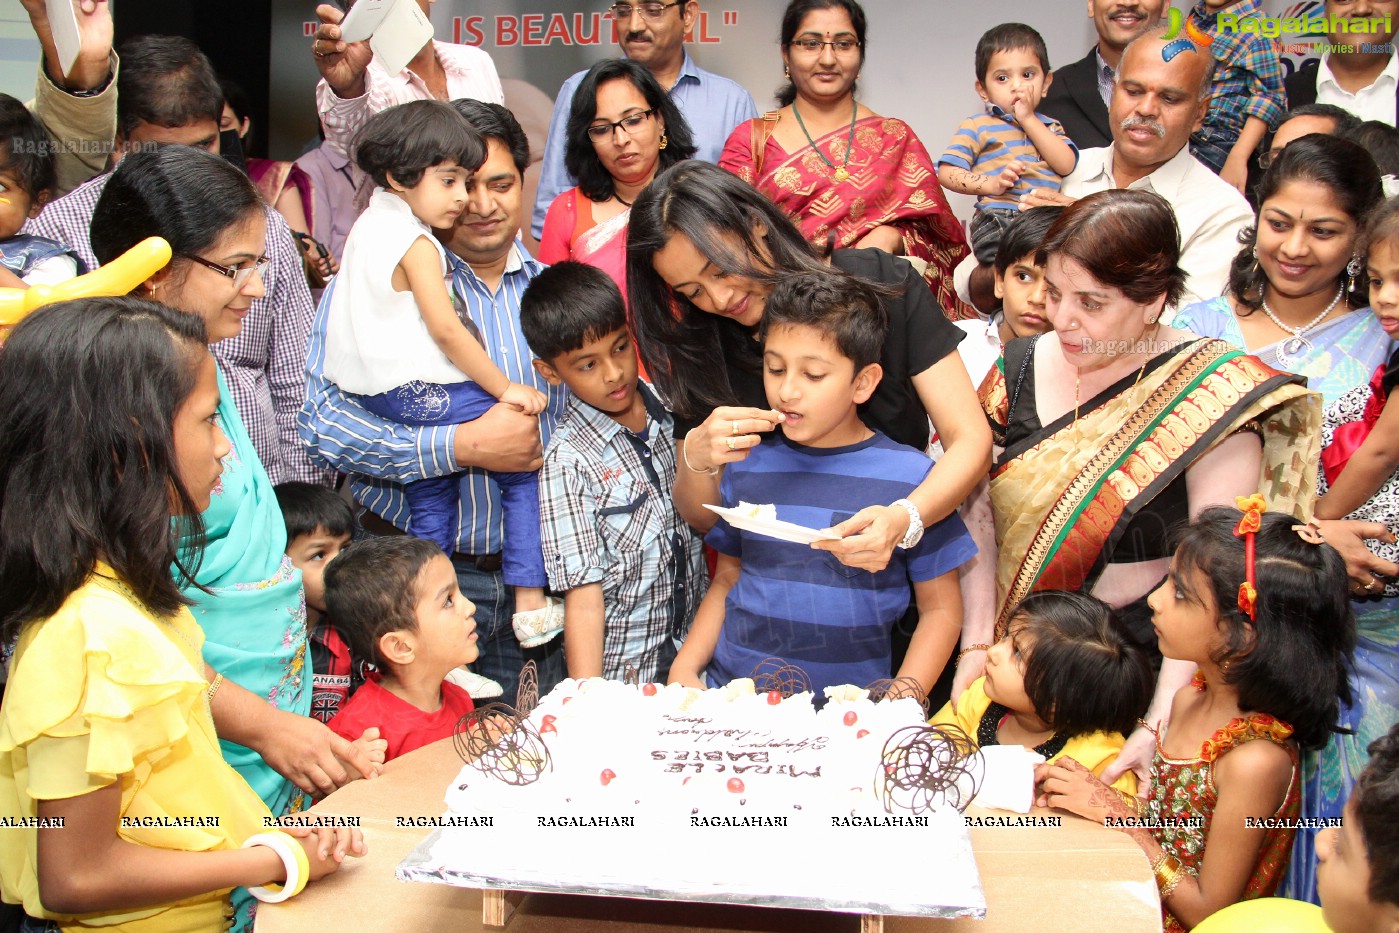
{"points": [[915, 524]]}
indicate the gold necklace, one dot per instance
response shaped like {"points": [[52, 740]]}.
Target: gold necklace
{"points": [[1078, 383]]}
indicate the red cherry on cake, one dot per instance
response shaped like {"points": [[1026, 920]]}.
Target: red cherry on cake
{"points": [[648, 690], [774, 698], [862, 733], [735, 786], [850, 718], [607, 775], [547, 724]]}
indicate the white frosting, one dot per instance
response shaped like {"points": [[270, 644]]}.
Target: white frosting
{"points": [[709, 773]]}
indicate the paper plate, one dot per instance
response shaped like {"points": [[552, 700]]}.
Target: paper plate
{"points": [[771, 527]]}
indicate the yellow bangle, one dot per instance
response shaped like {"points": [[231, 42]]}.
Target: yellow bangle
{"points": [[214, 687], [969, 649], [294, 860]]}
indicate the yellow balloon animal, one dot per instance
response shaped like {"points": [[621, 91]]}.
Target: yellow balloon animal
{"points": [[117, 277], [1270, 914]]}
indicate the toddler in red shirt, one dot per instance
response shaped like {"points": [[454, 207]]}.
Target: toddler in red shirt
{"points": [[397, 601]]}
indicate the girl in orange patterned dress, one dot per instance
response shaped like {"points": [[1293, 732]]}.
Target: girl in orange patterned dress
{"points": [[1260, 604]]}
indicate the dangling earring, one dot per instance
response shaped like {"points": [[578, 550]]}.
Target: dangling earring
{"points": [[786, 72], [1352, 270], [665, 140], [1254, 273]]}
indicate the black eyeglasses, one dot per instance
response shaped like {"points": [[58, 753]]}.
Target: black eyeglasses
{"points": [[239, 274], [600, 131], [839, 43], [648, 10]]}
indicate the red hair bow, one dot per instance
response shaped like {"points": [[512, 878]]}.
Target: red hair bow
{"points": [[1247, 528]]}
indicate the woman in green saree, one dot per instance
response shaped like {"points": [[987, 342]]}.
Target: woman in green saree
{"points": [[1114, 428]]}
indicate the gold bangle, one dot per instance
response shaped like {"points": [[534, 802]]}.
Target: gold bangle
{"points": [[969, 649], [1167, 871], [214, 687], [685, 453]]}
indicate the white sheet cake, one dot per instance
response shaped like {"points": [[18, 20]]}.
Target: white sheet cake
{"points": [[725, 795]]}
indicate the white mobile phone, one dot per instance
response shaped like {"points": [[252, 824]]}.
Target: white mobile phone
{"points": [[363, 19]]}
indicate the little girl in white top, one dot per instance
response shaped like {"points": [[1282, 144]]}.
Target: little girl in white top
{"points": [[396, 341]]}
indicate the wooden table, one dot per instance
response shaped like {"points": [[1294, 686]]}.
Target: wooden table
{"points": [[1093, 879]]}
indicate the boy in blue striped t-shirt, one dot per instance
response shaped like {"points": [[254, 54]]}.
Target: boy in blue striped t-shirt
{"points": [[1007, 150], [770, 598]]}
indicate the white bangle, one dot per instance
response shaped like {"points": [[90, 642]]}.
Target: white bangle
{"points": [[685, 453], [293, 858]]}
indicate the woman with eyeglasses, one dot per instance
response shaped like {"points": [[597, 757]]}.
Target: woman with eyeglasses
{"points": [[245, 595], [623, 130], [846, 175]]}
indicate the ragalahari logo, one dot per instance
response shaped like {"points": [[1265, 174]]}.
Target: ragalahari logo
{"points": [[1194, 39]]}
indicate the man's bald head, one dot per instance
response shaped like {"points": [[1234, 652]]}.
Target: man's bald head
{"points": [[1157, 104]]}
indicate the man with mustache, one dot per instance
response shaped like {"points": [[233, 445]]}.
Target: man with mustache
{"points": [[1081, 92], [1156, 105], [652, 34]]}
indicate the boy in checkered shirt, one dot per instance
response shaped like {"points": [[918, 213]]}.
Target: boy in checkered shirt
{"points": [[629, 567]]}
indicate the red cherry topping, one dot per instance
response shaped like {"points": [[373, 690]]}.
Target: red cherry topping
{"points": [[774, 698], [607, 775], [548, 727], [862, 733], [850, 718], [648, 690], [735, 786]]}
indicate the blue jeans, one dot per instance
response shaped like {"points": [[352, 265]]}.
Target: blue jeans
{"points": [[501, 655], [433, 503]]}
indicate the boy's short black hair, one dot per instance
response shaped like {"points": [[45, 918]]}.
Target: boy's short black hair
{"points": [[567, 305], [370, 591], [1024, 234], [1376, 800], [1005, 38], [307, 508], [408, 139], [26, 148], [1078, 641], [840, 306]]}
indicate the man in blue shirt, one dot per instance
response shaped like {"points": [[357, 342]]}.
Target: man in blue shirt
{"points": [[490, 270], [652, 34]]}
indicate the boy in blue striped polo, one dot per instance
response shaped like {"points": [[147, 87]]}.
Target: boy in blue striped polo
{"points": [[1009, 149], [631, 570], [822, 336]]}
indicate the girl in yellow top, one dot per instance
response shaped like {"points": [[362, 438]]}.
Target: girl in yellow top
{"points": [[119, 808], [1065, 682]]}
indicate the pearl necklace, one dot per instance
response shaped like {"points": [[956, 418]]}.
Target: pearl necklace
{"points": [[1298, 342]]}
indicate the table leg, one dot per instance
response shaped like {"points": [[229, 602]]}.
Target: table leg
{"points": [[497, 906], [871, 923]]}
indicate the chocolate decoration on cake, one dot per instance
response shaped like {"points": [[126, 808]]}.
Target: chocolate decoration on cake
{"points": [[494, 740], [630, 675], [926, 766], [774, 674], [527, 693], [887, 689]]}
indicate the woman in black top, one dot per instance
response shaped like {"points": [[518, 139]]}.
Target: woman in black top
{"points": [[703, 253]]}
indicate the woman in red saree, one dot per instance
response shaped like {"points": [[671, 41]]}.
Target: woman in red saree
{"points": [[842, 172]]}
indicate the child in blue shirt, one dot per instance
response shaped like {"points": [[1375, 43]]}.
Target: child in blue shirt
{"points": [[630, 569], [822, 335], [1009, 149]]}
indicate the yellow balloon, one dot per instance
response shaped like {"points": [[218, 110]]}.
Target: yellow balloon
{"points": [[117, 277], [1271, 914]]}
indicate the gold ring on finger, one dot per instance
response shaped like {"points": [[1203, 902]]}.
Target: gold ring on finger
{"points": [[733, 444], [733, 428]]}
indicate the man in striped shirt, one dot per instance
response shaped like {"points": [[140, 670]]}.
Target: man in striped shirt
{"points": [[490, 271]]}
